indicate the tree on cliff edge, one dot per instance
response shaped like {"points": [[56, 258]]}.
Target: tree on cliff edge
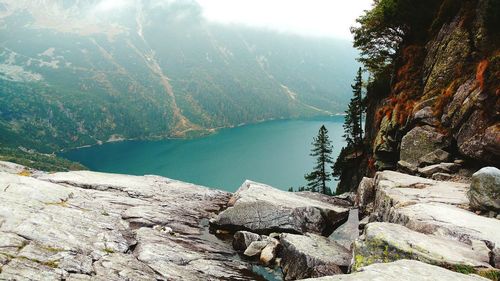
{"points": [[353, 135], [322, 150], [353, 131]]}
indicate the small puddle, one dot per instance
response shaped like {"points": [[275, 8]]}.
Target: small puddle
{"points": [[267, 273]]}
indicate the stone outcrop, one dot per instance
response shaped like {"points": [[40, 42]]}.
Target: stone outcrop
{"points": [[262, 209], [95, 226], [11, 168], [435, 157], [428, 207], [269, 253], [408, 270], [397, 189], [365, 194], [255, 248], [243, 239], [441, 100], [383, 242], [429, 171], [347, 233], [484, 192], [418, 145], [311, 255]]}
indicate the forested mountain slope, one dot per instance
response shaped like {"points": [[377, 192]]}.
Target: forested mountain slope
{"points": [[73, 73]]}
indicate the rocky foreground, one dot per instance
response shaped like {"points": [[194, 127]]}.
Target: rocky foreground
{"points": [[95, 226]]}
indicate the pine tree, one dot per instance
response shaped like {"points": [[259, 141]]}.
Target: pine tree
{"points": [[353, 131], [358, 108], [322, 150]]}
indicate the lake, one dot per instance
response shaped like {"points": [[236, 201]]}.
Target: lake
{"points": [[273, 152]]}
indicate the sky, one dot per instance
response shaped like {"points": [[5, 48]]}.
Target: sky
{"points": [[320, 18]]}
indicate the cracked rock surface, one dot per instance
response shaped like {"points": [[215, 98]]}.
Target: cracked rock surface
{"points": [[408, 270], [95, 226], [429, 221], [263, 209]]}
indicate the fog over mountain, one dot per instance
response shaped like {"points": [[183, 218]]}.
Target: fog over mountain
{"points": [[78, 72]]}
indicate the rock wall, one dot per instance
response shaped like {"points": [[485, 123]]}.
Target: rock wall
{"points": [[443, 96]]}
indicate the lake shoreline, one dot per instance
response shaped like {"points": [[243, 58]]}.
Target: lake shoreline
{"points": [[275, 151], [209, 131]]}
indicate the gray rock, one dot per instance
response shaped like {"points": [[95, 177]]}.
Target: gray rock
{"points": [[406, 167], [425, 116], [243, 239], [397, 189], [476, 139], [441, 176], [439, 168], [311, 255], [86, 225], [11, 168], [421, 141], [433, 207], [65, 260], [447, 221], [263, 209], [435, 157], [383, 242], [268, 254], [79, 277], [408, 270], [484, 192], [28, 270], [120, 266], [255, 248], [365, 195], [344, 200], [364, 222], [347, 233]]}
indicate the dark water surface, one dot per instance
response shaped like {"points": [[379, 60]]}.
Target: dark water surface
{"points": [[274, 152]]}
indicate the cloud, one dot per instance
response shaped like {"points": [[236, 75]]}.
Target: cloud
{"points": [[320, 18], [325, 18]]}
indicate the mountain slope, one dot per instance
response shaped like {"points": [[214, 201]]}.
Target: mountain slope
{"points": [[72, 75]]}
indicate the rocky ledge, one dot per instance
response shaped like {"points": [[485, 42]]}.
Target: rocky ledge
{"points": [[263, 209], [95, 226]]}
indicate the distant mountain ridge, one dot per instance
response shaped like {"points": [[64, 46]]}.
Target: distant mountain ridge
{"points": [[72, 73]]}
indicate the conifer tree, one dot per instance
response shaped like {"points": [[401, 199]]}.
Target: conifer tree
{"points": [[357, 90], [353, 131], [322, 150]]}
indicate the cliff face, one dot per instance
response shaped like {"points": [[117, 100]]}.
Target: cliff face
{"points": [[442, 102]]}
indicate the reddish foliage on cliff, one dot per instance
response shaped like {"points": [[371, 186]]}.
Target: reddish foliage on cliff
{"points": [[481, 69]]}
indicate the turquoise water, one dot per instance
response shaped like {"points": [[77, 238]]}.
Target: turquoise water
{"points": [[274, 152]]}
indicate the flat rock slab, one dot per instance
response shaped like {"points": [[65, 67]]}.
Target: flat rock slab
{"points": [[402, 189], [11, 168], [407, 270], [449, 221], [312, 255], [383, 242], [434, 207], [95, 226], [263, 209]]}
